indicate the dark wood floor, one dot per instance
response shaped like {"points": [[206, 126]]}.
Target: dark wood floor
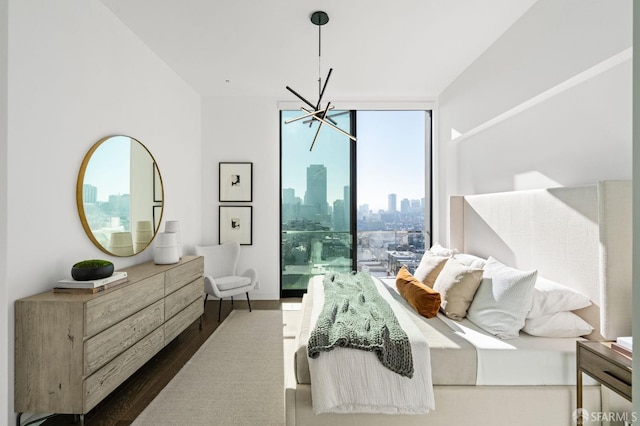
{"points": [[132, 397]]}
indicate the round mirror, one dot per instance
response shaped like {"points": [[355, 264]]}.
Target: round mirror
{"points": [[120, 196]]}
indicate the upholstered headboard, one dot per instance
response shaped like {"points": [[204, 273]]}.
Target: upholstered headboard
{"points": [[578, 236]]}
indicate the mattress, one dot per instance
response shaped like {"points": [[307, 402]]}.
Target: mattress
{"points": [[463, 354]]}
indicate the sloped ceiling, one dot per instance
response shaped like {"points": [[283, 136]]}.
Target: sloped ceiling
{"points": [[403, 49]]}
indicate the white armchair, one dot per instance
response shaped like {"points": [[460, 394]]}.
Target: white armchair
{"points": [[220, 276]]}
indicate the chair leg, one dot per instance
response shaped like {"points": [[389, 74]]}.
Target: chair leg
{"points": [[249, 301], [219, 309], [204, 305]]}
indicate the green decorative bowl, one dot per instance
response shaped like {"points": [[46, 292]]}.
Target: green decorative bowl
{"points": [[88, 270]]}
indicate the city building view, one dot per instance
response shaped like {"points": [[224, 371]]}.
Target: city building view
{"points": [[388, 239], [316, 235], [105, 217]]}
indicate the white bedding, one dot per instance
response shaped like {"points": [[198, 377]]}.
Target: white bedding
{"points": [[348, 380], [525, 360]]}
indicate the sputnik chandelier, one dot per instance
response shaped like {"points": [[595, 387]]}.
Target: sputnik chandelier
{"points": [[317, 113]]}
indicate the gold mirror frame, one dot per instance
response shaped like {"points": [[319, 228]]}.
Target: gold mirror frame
{"points": [[145, 197]]}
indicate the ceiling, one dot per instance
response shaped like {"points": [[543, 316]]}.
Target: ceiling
{"points": [[401, 50]]}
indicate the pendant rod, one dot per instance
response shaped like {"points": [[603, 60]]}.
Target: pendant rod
{"points": [[319, 60]]}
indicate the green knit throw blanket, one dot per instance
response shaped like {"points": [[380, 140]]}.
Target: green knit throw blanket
{"points": [[356, 316]]}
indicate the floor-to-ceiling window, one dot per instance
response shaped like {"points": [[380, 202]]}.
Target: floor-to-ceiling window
{"points": [[316, 201], [393, 216], [352, 205]]}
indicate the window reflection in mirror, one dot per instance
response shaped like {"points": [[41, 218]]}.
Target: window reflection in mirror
{"points": [[119, 195]]}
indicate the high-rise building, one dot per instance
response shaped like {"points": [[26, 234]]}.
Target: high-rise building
{"points": [[290, 205], [404, 205], [363, 211], [416, 207], [89, 193], [339, 223], [288, 196], [316, 194], [347, 205], [392, 203]]}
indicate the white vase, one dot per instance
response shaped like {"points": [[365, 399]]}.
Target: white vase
{"points": [[173, 226], [121, 244], [143, 234], [166, 250]]}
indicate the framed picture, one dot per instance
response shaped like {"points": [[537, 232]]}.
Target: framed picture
{"points": [[236, 182], [235, 224], [157, 217], [157, 185]]}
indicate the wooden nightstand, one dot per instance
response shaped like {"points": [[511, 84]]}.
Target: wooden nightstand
{"points": [[609, 367]]}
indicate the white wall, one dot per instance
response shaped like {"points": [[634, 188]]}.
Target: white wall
{"points": [[245, 129], [635, 326], [4, 299], [76, 74], [548, 104]]}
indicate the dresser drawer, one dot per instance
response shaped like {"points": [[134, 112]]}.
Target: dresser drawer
{"points": [[613, 376], [178, 300], [111, 308], [183, 274], [109, 377], [182, 320], [108, 344]]}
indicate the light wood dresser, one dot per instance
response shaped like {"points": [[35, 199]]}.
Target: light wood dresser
{"points": [[72, 350]]}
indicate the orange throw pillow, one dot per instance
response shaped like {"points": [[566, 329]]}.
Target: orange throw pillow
{"points": [[425, 300]]}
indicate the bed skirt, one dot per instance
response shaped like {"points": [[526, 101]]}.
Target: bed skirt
{"points": [[470, 405]]}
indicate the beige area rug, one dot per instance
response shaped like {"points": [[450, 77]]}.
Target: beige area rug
{"points": [[235, 378]]}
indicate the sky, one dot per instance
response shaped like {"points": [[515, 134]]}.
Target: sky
{"points": [[109, 166], [390, 151]]}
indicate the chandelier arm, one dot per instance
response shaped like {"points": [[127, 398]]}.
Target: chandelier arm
{"points": [[315, 137], [322, 94], [312, 113], [331, 125], [321, 118], [334, 122], [323, 87], [308, 114], [301, 98]]}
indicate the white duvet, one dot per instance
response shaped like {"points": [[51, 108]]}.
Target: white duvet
{"points": [[346, 380]]}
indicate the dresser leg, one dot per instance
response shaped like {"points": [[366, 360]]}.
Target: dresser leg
{"points": [[78, 418]]}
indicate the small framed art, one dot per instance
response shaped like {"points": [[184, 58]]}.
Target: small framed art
{"points": [[157, 184], [236, 182], [236, 224]]}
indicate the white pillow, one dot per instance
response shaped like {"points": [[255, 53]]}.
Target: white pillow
{"points": [[560, 324], [438, 250], [429, 268], [550, 297], [470, 260], [457, 283], [503, 299]]}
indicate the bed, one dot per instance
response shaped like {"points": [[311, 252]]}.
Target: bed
{"points": [[577, 236]]}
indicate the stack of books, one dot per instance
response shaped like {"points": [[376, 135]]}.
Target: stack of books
{"points": [[624, 345], [70, 285]]}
